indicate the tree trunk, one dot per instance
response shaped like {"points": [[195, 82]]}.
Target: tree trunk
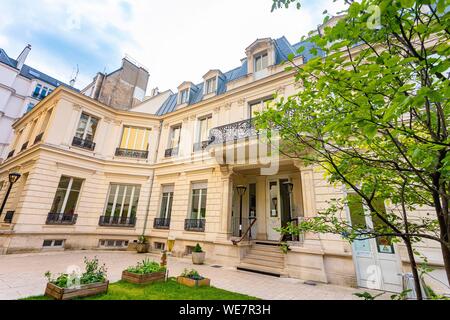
{"points": [[446, 256], [412, 261]]}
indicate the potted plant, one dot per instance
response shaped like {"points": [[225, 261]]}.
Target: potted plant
{"points": [[142, 245], [198, 255], [69, 286], [144, 272], [192, 278]]}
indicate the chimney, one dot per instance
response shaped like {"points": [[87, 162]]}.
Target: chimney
{"points": [[23, 56]]}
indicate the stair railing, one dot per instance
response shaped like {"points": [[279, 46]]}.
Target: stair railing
{"points": [[249, 229]]}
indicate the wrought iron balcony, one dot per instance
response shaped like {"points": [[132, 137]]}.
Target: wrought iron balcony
{"points": [[195, 225], [61, 219], [171, 152], [128, 153], [161, 223], [9, 217], [38, 138], [11, 154], [85, 144], [233, 132], [121, 222], [200, 146], [24, 146]]}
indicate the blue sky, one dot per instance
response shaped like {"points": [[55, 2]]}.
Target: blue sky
{"points": [[176, 40]]}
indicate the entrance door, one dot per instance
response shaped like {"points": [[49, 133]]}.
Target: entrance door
{"points": [[376, 260], [279, 205]]}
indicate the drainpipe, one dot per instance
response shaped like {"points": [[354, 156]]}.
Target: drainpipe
{"points": [[152, 179]]}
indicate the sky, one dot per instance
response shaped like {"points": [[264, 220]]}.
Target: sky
{"points": [[176, 40]]}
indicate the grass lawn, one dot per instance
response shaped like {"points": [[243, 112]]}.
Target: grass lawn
{"points": [[169, 290]]}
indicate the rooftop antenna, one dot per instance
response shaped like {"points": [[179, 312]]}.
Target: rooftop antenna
{"points": [[74, 79]]}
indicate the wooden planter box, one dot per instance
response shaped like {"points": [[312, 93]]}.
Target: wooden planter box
{"points": [[194, 283], [84, 291], [143, 278]]}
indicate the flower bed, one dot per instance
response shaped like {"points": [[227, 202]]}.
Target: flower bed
{"points": [[144, 272], [193, 279], [69, 286]]}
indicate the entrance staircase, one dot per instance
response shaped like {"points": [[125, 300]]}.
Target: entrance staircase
{"points": [[264, 257]]}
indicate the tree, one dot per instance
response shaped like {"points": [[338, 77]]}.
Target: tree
{"points": [[373, 112]]}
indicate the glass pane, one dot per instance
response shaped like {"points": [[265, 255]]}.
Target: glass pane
{"points": [[64, 182], [273, 187], [119, 201], [164, 200], [127, 203], [82, 126], [71, 202], [356, 208], [92, 127], [169, 211], [135, 201], [58, 201], [203, 203], [384, 244], [76, 184], [265, 61], [195, 203]]}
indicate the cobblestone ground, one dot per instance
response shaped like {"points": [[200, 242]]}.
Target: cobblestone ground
{"points": [[23, 276]]}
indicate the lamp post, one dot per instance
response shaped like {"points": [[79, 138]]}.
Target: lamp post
{"points": [[13, 177], [241, 191], [290, 187]]}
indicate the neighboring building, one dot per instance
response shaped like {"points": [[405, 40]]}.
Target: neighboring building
{"points": [[21, 88], [121, 89], [97, 177]]}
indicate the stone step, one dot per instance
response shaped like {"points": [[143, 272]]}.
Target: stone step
{"points": [[277, 272], [263, 262], [257, 256], [267, 253], [266, 248]]}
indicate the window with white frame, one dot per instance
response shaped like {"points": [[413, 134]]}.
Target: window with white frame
{"points": [[134, 138], [175, 136], [166, 202], [257, 107], [211, 85], [122, 200], [204, 126], [67, 194], [261, 61], [198, 200], [184, 96], [86, 127]]}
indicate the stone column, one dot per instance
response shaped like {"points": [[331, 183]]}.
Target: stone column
{"points": [[227, 199]]}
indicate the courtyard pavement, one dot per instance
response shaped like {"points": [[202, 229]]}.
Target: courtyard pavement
{"points": [[22, 276]]}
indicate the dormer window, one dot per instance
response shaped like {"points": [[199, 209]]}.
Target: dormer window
{"points": [[211, 85], [184, 96], [261, 61]]}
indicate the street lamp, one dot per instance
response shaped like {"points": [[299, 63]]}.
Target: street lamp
{"points": [[290, 188], [241, 191], [13, 177]]}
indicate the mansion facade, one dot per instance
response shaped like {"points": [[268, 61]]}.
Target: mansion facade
{"points": [[181, 169]]}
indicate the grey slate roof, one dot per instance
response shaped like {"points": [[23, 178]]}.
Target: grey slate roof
{"points": [[282, 50], [31, 73]]}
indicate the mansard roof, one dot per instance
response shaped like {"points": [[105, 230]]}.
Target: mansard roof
{"points": [[282, 50]]}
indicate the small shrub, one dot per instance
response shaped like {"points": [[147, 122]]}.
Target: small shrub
{"points": [[146, 267], [198, 248], [142, 240], [94, 273], [192, 274]]}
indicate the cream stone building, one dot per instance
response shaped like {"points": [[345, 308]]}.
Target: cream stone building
{"points": [[194, 171]]}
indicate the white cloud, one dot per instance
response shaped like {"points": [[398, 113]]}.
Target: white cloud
{"points": [[176, 40]]}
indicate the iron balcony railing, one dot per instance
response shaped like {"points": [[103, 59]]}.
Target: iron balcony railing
{"points": [[24, 146], [233, 132], [85, 144], [195, 225], [128, 153], [61, 219], [9, 217], [112, 221], [173, 152], [161, 223], [38, 138], [200, 146], [11, 154]]}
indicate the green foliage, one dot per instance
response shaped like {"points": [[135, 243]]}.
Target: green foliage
{"points": [[278, 4], [142, 239], [198, 248], [284, 247], [146, 266], [401, 296], [94, 273], [373, 113], [192, 274], [367, 296]]}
